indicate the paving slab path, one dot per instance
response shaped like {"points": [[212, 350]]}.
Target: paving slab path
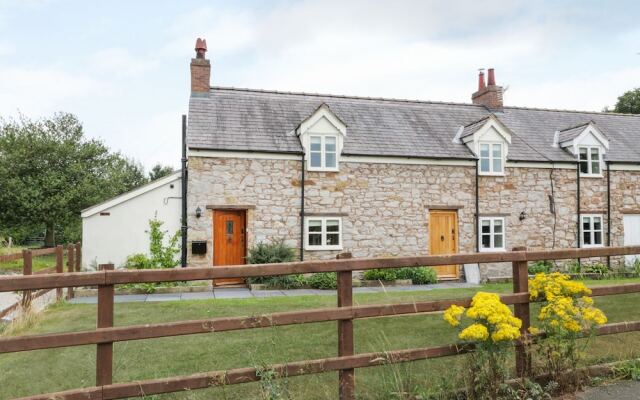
{"points": [[626, 390], [243, 293]]}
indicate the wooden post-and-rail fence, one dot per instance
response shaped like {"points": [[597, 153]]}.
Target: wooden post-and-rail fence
{"points": [[344, 314], [74, 257]]}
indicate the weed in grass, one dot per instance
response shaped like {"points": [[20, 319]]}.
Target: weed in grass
{"points": [[628, 370]]}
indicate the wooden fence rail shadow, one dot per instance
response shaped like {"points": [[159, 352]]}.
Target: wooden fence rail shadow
{"points": [[74, 252], [345, 363]]}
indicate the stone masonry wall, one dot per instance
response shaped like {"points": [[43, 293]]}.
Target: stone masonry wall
{"points": [[384, 207]]}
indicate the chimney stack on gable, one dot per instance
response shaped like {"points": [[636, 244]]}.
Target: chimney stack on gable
{"points": [[200, 71], [490, 95]]}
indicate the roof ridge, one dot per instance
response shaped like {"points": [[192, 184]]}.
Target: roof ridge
{"points": [[415, 101], [577, 126], [341, 96]]}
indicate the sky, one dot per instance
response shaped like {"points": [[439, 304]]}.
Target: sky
{"points": [[123, 66]]}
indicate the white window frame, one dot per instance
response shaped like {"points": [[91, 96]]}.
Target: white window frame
{"points": [[323, 153], [492, 234], [324, 245], [590, 161], [491, 158], [591, 230]]}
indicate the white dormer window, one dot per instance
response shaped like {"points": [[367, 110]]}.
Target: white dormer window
{"points": [[322, 136], [323, 153], [491, 158], [590, 160], [489, 139]]}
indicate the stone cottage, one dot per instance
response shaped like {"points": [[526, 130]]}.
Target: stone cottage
{"points": [[380, 177]]}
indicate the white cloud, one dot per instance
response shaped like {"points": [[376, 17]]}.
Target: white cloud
{"points": [[120, 62], [43, 91]]}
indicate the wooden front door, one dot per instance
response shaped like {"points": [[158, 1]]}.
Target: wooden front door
{"points": [[229, 241], [443, 239]]}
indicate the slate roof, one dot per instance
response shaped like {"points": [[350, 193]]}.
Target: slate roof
{"points": [[264, 121], [474, 127], [572, 133]]}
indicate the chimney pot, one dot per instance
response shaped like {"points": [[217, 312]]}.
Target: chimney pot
{"points": [[481, 84], [201, 47], [492, 77]]}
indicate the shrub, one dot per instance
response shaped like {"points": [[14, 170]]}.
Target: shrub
{"points": [[138, 261], [323, 280], [274, 252], [573, 267], [268, 253], [163, 256], [540, 266], [418, 275], [597, 268], [388, 274]]}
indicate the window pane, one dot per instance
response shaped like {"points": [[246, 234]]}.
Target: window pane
{"points": [[497, 150], [229, 227], [497, 241], [316, 160], [595, 167], [597, 238], [584, 167], [330, 160], [333, 225], [497, 165], [315, 225], [333, 239], [486, 226], [595, 154], [330, 143], [497, 226], [586, 237], [316, 143], [583, 153], [484, 165], [586, 223], [484, 150], [597, 223], [315, 239], [486, 241]]}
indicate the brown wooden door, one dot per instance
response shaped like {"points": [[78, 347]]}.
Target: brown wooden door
{"points": [[229, 241], [443, 239]]}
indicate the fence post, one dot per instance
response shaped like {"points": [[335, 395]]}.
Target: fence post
{"points": [[104, 355], [346, 346], [70, 268], [27, 269], [521, 284], [59, 267], [78, 256]]}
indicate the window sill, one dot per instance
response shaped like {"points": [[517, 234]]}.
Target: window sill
{"points": [[596, 176], [591, 246], [491, 174], [309, 169], [322, 248], [485, 250]]}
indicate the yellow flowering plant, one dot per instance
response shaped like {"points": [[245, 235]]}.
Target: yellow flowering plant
{"points": [[568, 315], [491, 326]]}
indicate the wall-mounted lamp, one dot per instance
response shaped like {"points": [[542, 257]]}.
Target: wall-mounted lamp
{"points": [[198, 212], [523, 215]]}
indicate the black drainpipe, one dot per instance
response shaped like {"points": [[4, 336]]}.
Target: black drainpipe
{"points": [[477, 207], [608, 164], [578, 233], [302, 210], [183, 230]]}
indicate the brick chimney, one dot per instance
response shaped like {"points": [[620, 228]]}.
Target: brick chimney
{"points": [[200, 71], [490, 95]]}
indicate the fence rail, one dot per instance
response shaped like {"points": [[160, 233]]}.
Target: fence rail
{"points": [[345, 313], [73, 263]]}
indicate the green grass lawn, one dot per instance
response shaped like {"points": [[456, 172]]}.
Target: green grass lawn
{"points": [[39, 262], [58, 369]]}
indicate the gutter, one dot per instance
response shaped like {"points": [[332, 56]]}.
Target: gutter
{"points": [[477, 228], [608, 164], [302, 209], [183, 228]]}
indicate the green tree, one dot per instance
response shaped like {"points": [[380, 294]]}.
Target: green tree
{"points": [[158, 171], [49, 172], [629, 102]]}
